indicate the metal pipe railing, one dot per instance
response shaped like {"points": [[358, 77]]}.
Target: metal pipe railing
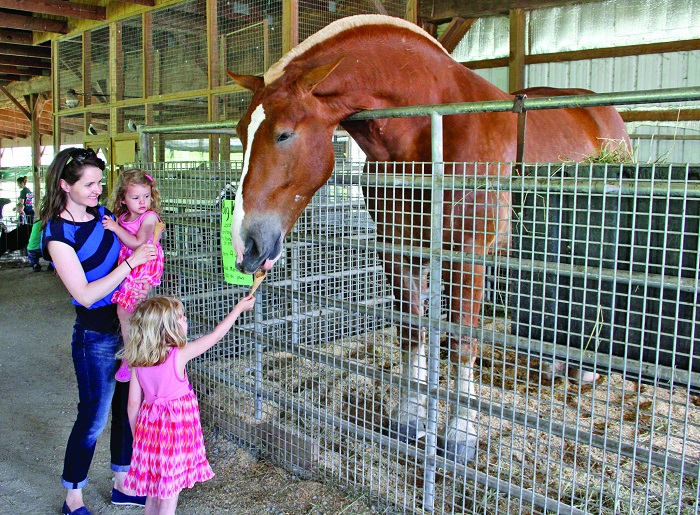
{"points": [[536, 104]]}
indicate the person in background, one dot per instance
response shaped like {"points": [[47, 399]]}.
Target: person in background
{"points": [[34, 246], [135, 202], [85, 257], [25, 202], [169, 452]]}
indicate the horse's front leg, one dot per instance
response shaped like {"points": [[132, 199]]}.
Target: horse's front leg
{"points": [[407, 418], [465, 285]]}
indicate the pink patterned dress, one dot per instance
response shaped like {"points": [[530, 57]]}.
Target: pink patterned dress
{"points": [[151, 270], [168, 451]]}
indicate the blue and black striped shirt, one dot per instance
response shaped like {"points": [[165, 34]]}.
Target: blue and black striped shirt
{"points": [[96, 248]]}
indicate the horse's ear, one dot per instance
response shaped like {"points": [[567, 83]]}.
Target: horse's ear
{"points": [[249, 82], [312, 78]]}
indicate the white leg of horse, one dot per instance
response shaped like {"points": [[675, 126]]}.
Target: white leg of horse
{"points": [[460, 433], [408, 417], [550, 370]]}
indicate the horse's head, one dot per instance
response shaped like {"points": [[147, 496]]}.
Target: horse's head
{"points": [[288, 155]]}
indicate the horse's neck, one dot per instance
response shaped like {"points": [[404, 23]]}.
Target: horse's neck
{"points": [[414, 83]]}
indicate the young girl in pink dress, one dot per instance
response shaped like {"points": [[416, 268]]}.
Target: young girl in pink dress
{"points": [[169, 452], [135, 203]]}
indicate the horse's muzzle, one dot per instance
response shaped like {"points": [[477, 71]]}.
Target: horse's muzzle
{"points": [[262, 247]]}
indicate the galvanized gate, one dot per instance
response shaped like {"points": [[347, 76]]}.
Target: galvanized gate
{"points": [[586, 370], [601, 275]]}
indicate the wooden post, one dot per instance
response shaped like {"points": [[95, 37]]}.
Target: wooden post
{"points": [[516, 60], [290, 25]]}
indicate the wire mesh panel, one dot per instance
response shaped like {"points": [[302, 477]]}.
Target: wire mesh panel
{"points": [[313, 16], [532, 351], [130, 41], [180, 48], [250, 37], [174, 112], [97, 67], [72, 129], [70, 67]]}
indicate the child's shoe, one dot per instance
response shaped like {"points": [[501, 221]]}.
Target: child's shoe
{"points": [[123, 375]]}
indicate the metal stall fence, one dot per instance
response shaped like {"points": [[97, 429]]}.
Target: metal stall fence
{"points": [[601, 277]]}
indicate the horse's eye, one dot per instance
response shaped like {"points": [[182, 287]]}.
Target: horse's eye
{"points": [[284, 137]]}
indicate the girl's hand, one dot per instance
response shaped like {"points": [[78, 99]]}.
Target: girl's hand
{"points": [[108, 223], [246, 303], [143, 254]]}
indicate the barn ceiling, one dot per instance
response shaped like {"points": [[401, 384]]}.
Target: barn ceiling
{"points": [[27, 27]]}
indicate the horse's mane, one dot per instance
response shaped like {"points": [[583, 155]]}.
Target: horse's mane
{"points": [[338, 26]]}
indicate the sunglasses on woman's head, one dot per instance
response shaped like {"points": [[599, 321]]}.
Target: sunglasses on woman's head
{"points": [[80, 154]]}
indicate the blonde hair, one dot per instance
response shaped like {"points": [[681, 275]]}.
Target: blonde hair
{"points": [[117, 202], [155, 329]]}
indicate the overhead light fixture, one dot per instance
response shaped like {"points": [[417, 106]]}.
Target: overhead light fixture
{"points": [[91, 130], [131, 125], [72, 99]]}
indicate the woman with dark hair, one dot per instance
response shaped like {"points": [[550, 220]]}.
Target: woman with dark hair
{"points": [[25, 202], [85, 257]]}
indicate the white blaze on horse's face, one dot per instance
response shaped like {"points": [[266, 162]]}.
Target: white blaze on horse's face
{"points": [[238, 213]]}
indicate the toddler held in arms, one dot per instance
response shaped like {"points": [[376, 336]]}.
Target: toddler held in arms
{"points": [[135, 202]]}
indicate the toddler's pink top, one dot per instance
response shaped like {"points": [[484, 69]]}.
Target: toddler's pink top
{"points": [[152, 270]]}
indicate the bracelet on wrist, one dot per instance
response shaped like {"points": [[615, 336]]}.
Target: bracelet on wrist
{"points": [[127, 264]]}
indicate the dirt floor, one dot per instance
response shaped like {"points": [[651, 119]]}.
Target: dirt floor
{"points": [[38, 406]]}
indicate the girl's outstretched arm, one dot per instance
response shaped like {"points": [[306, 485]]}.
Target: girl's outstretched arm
{"points": [[201, 345], [133, 241], [134, 401]]}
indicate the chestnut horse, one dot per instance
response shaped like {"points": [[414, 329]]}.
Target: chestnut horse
{"points": [[373, 61]]}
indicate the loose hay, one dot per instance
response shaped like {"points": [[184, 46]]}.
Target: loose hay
{"points": [[599, 480]]}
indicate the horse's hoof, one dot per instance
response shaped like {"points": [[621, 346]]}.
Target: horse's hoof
{"points": [[407, 433], [585, 376], [459, 452]]}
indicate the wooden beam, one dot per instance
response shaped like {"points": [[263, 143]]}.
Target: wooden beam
{"points": [[661, 115], [22, 22], [596, 53], [13, 134], [516, 58], [25, 50], [149, 3], [17, 37], [15, 101], [30, 72], [455, 31], [290, 25], [58, 8], [9, 77], [379, 6], [30, 62], [447, 9], [411, 13]]}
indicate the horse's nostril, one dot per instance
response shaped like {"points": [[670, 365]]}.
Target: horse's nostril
{"points": [[251, 247]]}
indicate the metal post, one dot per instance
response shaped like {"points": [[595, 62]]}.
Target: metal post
{"points": [[437, 194], [145, 154], [519, 107]]}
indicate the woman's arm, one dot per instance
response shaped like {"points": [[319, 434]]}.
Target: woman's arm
{"points": [[71, 272], [132, 240], [134, 401]]}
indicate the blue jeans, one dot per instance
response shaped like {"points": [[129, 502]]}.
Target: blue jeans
{"points": [[95, 366], [34, 256]]}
